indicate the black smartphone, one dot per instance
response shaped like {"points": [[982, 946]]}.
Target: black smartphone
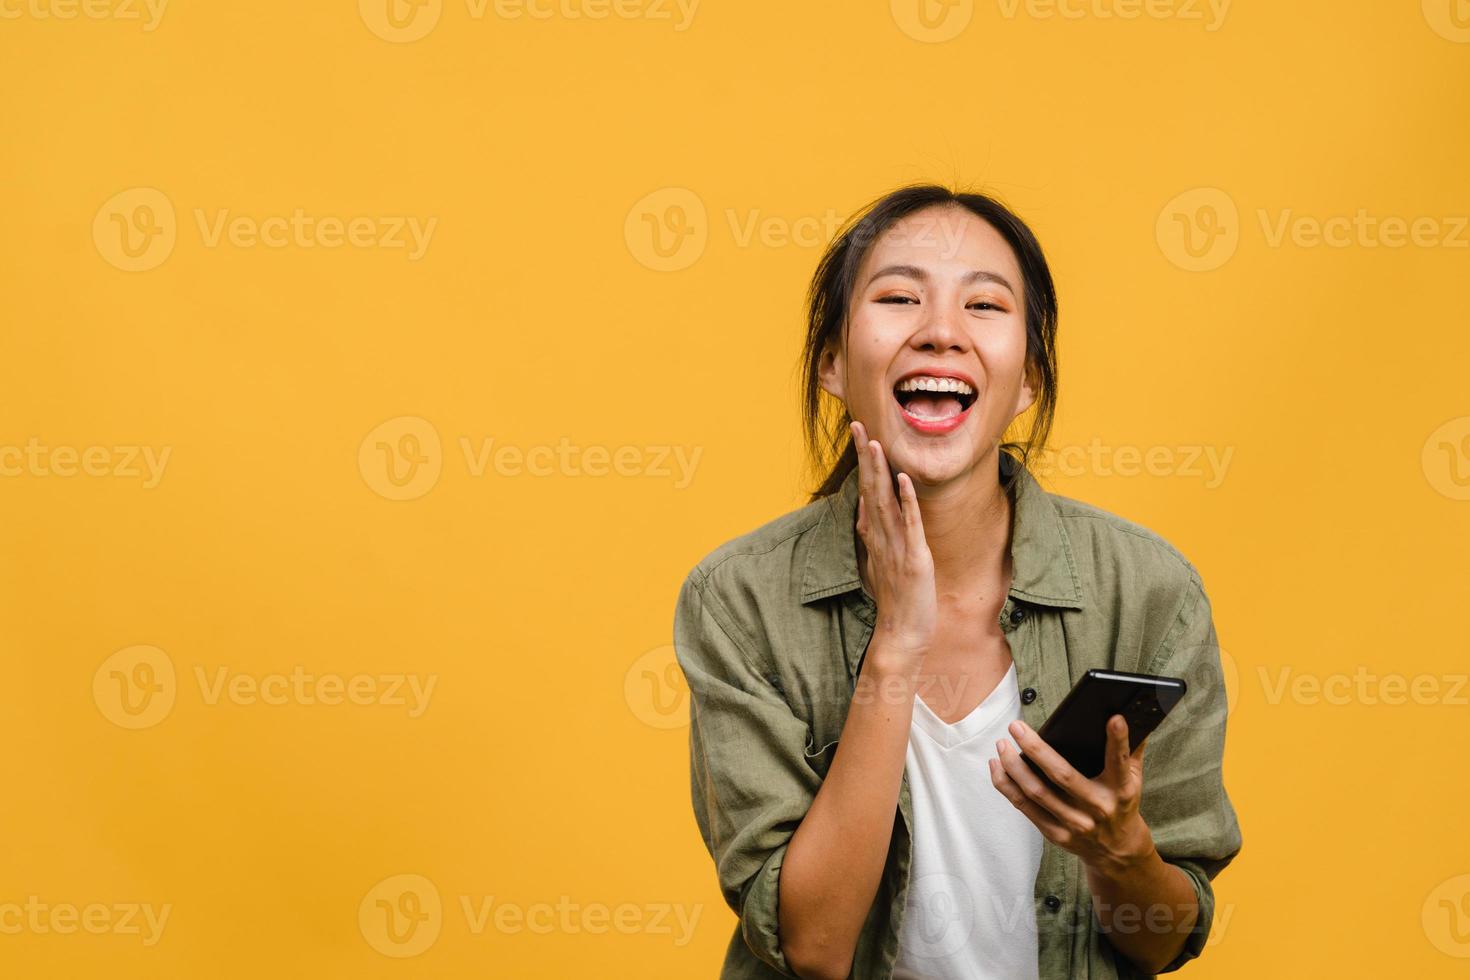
{"points": [[1077, 729]]}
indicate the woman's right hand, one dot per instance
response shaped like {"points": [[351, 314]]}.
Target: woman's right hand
{"points": [[899, 567]]}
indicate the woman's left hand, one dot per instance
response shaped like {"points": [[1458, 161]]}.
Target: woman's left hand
{"points": [[1096, 819]]}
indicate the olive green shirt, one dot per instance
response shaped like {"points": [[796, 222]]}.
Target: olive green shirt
{"points": [[770, 631]]}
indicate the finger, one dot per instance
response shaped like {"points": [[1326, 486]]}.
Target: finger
{"points": [[1058, 770], [880, 517], [860, 442], [864, 459], [1118, 755], [1032, 785], [913, 521], [1044, 821], [885, 503], [1121, 761], [908, 509], [865, 477]]}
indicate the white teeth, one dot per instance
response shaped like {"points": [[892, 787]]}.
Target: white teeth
{"points": [[927, 383]]}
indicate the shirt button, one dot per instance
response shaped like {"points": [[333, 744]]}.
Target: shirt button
{"points": [[1017, 615], [1028, 695], [1052, 903]]}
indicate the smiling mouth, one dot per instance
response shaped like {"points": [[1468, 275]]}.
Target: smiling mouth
{"points": [[933, 400]]}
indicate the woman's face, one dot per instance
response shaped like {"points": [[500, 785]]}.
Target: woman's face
{"points": [[934, 363]]}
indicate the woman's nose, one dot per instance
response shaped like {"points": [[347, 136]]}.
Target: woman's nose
{"points": [[941, 330]]}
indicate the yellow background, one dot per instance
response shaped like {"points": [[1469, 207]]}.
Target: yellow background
{"points": [[550, 764]]}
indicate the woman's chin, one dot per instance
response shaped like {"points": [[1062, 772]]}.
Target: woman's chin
{"points": [[931, 464]]}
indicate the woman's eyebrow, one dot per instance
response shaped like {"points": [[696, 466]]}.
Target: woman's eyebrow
{"points": [[915, 272]]}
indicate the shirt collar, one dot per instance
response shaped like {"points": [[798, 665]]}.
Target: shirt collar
{"points": [[1043, 570]]}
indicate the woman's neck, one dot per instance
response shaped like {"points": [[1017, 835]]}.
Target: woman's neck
{"points": [[968, 527]]}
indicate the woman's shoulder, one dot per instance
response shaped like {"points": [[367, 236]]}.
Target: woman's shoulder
{"points": [[754, 583], [1112, 549], [765, 554]]}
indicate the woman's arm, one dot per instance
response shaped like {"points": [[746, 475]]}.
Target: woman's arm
{"points": [[1144, 906], [1146, 909], [835, 860], [1149, 857]]}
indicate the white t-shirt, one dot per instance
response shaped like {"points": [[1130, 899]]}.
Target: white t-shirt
{"points": [[970, 912]]}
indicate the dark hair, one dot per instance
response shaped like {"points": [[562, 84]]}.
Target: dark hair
{"points": [[828, 439]]}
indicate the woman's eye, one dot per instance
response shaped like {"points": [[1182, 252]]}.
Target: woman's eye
{"points": [[983, 305], [896, 299]]}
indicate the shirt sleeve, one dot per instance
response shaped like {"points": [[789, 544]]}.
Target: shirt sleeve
{"points": [[1184, 800], [750, 778]]}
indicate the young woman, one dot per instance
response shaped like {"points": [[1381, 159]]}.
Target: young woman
{"points": [[864, 670]]}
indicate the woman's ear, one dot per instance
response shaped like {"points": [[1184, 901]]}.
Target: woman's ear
{"points": [[830, 370], [1029, 383]]}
